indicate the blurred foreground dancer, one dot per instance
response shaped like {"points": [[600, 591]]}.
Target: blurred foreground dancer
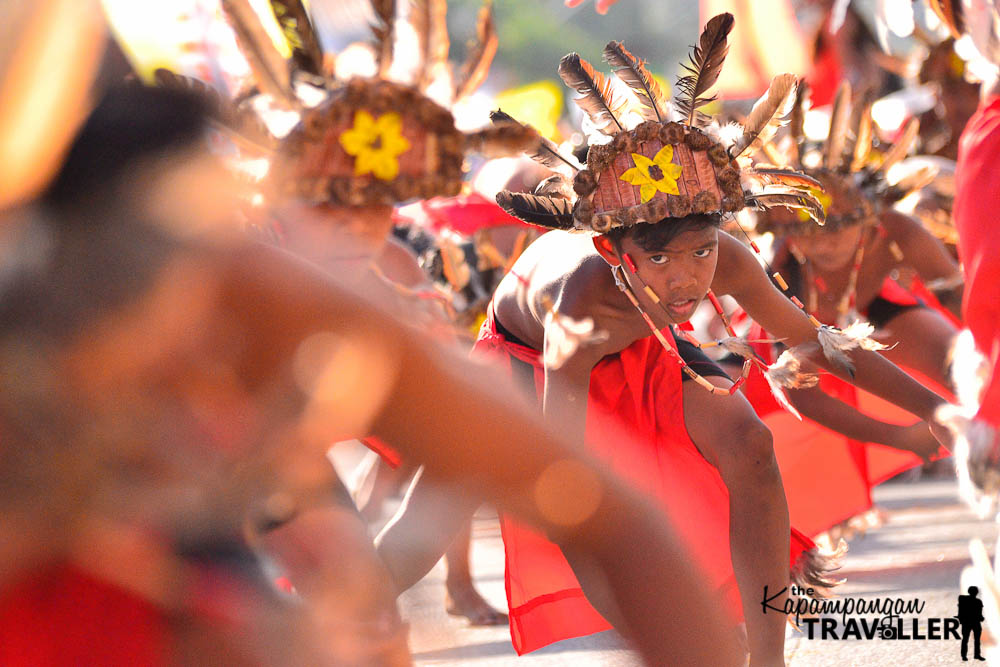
{"points": [[169, 381], [360, 146], [977, 197]]}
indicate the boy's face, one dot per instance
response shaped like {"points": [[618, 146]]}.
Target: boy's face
{"points": [[680, 273], [832, 250]]}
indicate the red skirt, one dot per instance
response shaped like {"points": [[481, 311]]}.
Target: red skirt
{"points": [[635, 423]]}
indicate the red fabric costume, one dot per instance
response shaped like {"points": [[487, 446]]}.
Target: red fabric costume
{"points": [[977, 204], [635, 423], [64, 616], [465, 214]]}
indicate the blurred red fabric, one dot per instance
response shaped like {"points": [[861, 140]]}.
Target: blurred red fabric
{"points": [[977, 201], [464, 214]]}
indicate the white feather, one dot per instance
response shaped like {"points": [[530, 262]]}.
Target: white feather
{"points": [[838, 14], [564, 336]]}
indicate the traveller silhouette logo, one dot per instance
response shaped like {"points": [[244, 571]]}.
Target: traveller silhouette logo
{"points": [[887, 618]]}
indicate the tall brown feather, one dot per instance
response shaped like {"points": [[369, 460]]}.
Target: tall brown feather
{"points": [[863, 142], [767, 115], [547, 153], [840, 118], [901, 147], [597, 90], [633, 72], [797, 121], [429, 21], [269, 68], [384, 30], [912, 182], [704, 68], [300, 34], [481, 53], [504, 139]]}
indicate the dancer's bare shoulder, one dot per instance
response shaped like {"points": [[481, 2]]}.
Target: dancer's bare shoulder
{"points": [[564, 270]]}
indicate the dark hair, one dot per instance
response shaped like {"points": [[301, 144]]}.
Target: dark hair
{"points": [[658, 236], [131, 122], [99, 252]]}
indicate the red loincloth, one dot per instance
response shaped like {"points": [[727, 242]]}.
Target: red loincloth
{"points": [[635, 394], [977, 204], [828, 477]]}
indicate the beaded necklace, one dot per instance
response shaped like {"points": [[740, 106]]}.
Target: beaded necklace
{"points": [[749, 358], [847, 303]]}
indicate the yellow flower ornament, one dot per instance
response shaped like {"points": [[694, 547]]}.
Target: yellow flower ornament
{"points": [[658, 174], [376, 144], [823, 198]]}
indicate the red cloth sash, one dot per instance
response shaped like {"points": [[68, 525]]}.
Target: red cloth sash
{"points": [[64, 616]]}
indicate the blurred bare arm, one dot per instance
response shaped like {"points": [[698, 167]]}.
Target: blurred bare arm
{"points": [[467, 422]]}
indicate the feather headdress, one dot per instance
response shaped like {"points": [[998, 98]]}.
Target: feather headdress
{"points": [[704, 69], [661, 163], [852, 169], [365, 141]]}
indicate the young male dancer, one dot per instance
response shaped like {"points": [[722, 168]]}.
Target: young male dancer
{"points": [[653, 199]]}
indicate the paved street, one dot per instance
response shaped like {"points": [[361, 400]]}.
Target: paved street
{"points": [[919, 552]]}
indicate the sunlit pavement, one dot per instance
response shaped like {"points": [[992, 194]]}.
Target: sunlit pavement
{"points": [[918, 553]]}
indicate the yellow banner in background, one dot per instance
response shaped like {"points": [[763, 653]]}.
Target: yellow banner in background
{"points": [[538, 104]]}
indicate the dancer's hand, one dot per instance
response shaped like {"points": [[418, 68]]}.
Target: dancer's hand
{"points": [[943, 435], [602, 6], [919, 438]]}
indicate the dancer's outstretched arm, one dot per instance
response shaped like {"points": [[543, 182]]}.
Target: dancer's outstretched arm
{"points": [[466, 423]]}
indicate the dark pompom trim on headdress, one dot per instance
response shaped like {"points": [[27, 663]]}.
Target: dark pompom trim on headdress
{"points": [[698, 141], [705, 202], [584, 183], [603, 223], [728, 177], [672, 133], [680, 206], [719, 156], [599, 157], [647, 131]]}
